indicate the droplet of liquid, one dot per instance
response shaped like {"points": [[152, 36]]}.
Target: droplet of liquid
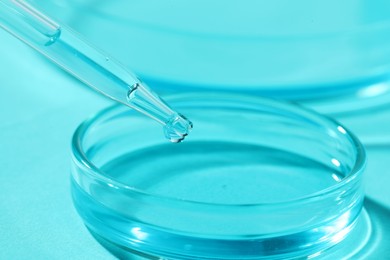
{"points": [[177, 128]]}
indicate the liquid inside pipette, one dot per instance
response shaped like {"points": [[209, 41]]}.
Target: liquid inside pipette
{"points": [[89, 65]]}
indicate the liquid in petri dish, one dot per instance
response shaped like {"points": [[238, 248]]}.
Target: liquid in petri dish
{"points": [[229, 173]]}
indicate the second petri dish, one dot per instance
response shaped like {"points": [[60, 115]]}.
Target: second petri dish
{"points": [[256, 178], [286, 49]]}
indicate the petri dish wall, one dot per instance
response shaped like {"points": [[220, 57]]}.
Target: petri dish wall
{"points": [[280, 182]]}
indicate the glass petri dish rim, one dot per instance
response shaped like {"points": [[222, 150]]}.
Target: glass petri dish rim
{"points": [[97, 11], [81, 159]]}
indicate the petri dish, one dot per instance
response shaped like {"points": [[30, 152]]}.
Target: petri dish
{"points": [[255, 179], [287, 49]]}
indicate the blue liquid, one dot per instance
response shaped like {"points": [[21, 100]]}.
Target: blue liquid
{"points": [[223, 173]]}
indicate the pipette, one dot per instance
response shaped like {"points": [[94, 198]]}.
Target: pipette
{"points": [[88, 64]]}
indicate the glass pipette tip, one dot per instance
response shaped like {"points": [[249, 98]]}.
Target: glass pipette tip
{"points": [[91, 66], [176, 126]]}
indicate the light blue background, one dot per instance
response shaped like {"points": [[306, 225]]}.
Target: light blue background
{"points": [[40, 107]]}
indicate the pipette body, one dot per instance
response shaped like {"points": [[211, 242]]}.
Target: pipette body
{"points": [[93, 67]]}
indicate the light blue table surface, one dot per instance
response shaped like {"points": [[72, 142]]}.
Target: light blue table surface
{"points": [[40, 107]]}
